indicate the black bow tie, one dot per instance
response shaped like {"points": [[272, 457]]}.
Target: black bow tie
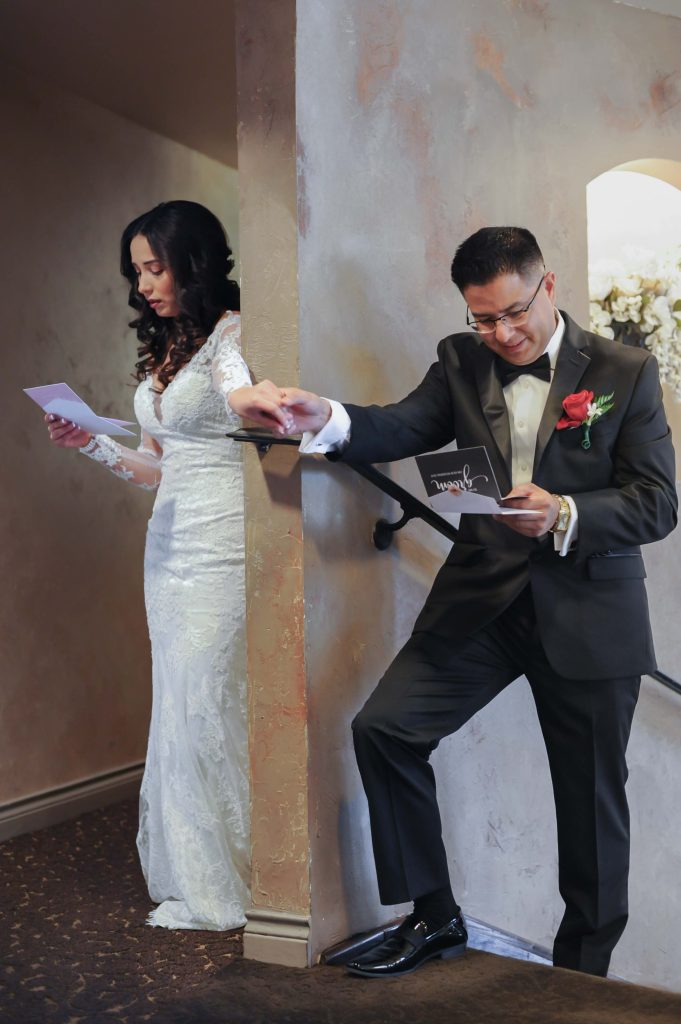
{"points": [[509, 371]]}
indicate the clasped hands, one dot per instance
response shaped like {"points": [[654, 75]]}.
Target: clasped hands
{"points": [[287, 411], [284, 411]]}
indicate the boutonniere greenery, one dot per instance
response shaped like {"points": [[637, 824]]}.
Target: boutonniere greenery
{"points": [[582, 410]]}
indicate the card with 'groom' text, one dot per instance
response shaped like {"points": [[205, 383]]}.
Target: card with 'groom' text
{"points": [[470, 470]]}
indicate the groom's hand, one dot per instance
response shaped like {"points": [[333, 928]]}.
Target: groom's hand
{"points": [[536, 499], [309, 411]]}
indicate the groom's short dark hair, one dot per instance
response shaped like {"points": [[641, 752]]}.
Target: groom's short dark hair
{"points": [[493, 251]]}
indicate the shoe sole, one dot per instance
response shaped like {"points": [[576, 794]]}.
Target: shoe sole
{"points": [[446, 954]]}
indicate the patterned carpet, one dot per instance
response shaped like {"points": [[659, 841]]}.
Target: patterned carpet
{"points": [[74, 946], [74, 949]]}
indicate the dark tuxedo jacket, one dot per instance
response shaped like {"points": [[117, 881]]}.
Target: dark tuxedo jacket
{"points": [[591, 605]]}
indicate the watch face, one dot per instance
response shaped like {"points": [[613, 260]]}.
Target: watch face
{"points": [[563, 515]]}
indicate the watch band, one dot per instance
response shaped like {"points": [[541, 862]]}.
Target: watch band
{"points": [[563, 518]]}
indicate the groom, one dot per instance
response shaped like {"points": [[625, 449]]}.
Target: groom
{"points": [[557, 596]]}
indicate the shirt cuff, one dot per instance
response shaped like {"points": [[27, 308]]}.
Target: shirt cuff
{"points": [[334, 433], [564, 542]]}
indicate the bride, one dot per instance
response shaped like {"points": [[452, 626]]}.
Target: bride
{"points": [[193, 838]]}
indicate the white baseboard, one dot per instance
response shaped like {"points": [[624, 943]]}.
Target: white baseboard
{"points": [[277, 937], [65, 802]]}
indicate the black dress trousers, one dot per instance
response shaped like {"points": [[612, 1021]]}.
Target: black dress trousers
{"points": [[433, 688]]}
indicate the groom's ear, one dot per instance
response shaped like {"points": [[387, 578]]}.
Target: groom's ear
{"points": [[550, 284]]}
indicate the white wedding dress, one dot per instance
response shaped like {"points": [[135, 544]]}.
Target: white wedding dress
{"points": [[193, 836]]}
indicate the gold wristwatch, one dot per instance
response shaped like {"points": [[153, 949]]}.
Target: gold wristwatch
{"points": [[563, 518]]}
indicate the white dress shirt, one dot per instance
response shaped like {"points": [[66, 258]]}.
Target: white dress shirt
{"points": [[525, 400]]}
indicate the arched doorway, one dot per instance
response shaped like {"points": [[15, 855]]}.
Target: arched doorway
{"points": [[634, 245], [634, 238]]}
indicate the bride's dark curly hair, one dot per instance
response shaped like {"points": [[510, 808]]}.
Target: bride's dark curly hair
{"points": [[192, 242]]}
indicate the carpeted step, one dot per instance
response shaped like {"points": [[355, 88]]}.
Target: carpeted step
{"points": [[75, 949]]}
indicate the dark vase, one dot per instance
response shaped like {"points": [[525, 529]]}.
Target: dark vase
{"points": [[628, 333]]}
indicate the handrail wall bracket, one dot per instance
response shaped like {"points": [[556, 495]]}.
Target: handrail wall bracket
{"points": [[384, 531]]}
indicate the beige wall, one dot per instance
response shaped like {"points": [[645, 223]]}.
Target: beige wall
{"points": [[276, 642], [137, 58], [419, 123], [75, 690]]}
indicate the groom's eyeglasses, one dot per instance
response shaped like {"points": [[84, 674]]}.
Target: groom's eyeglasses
{"points": [[488, 324]]}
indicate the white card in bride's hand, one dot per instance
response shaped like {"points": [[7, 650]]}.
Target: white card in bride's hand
{"points": [[62, 401], [470, 470]]}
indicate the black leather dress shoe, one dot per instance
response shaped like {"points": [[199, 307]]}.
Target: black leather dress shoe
{"points": [[410, 946]]}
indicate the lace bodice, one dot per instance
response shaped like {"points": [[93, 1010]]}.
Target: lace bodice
{"points": [[194, 403]]}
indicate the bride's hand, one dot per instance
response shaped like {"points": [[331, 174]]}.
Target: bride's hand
{"points": [[262, 403], [66, 434]]}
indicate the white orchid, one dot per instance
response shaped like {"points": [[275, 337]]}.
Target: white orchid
{"points": [[600, 320], [627, 307], [657, 314], [600, 286], [630, 285], [645, 293]]}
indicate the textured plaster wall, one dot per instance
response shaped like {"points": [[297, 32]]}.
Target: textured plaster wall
{"points": [[419, 123], [75, 688], [274, 548], [661, 6]]}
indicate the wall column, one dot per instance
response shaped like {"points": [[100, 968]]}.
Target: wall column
{"points": [[278, 922]]}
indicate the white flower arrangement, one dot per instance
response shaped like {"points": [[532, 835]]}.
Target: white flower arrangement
{"points": [[645, 298]]}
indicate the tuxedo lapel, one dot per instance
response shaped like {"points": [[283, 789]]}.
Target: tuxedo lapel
{"points": [[495, 411], [570, 366]]}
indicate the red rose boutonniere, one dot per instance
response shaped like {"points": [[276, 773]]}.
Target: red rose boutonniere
{"points": [[582, 410]]}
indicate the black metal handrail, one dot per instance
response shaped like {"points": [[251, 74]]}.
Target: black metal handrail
{"points": [[662, 677], [384, 531], [411, 507]]}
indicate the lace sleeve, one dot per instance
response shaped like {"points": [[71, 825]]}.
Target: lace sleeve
{"points": [[228, 369], [141, 467]]}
